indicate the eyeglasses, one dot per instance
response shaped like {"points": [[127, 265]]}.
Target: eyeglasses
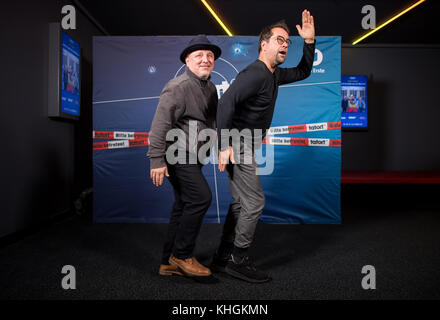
{"points": [[281, 41]]}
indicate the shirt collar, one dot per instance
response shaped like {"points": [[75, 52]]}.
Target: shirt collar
{"points": [[265, 67]]}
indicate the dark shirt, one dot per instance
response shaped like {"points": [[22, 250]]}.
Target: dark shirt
{"points": [[250, 100], [183, 99]]}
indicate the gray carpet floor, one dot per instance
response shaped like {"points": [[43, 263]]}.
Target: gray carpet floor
{"points": [[120, 261]]}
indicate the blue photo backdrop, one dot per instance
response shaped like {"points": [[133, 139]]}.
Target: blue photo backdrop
{"points": [[128, 76]]}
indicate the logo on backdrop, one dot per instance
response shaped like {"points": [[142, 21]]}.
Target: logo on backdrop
{"points": [[152, 69], [319, 57]]}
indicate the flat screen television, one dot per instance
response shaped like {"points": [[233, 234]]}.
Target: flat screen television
{"points": [[64, 88], [354, 102]]}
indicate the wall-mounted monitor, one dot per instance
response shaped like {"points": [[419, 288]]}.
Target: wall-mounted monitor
{"points": [[354, 102], [64, 87]]}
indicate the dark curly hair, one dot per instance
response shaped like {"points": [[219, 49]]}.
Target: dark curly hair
{"points": [[266, 33]]}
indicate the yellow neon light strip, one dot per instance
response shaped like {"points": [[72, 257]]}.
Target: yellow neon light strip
{"points": [[218, 19], [389, 21]]}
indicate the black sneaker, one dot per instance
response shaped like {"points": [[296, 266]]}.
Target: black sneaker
{"points": [[219, 262], [245, 270]]}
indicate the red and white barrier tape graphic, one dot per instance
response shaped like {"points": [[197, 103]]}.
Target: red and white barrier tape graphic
{"points": [[118, 144], [306, 142], [119, 135], [322, 126], [140, 139]]}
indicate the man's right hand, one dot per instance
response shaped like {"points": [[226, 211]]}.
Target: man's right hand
{"points": [[224, 157], [157, 175]]}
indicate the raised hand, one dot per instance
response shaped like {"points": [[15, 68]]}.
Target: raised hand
{"points": [[307, 31]]}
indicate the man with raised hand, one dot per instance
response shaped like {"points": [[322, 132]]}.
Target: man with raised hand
{"points": [[248, 105]]}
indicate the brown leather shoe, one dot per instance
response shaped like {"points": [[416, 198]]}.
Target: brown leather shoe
{"points": [[169, 270], [190, 266]]}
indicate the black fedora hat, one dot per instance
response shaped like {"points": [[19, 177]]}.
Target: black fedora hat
{"points": [[200, 42]]}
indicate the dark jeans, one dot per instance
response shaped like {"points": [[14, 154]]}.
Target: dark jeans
{"points": [[192, 198]]}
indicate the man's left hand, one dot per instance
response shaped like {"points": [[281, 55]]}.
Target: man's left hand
{"points": [[307, 31], [224, 157]]}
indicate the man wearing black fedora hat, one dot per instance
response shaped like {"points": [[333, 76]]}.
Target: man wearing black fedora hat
{"points": [[187, 100]]}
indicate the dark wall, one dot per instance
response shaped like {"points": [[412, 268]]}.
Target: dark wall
{"points": [[247, 17], [45, 163], [404, 108]]}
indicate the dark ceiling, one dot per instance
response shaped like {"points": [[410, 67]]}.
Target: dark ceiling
{"points": [[247, 17]]}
